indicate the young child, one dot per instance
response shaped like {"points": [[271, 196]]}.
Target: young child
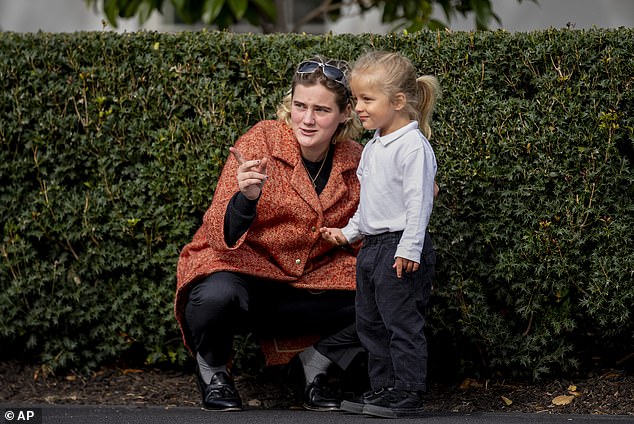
{"points": [[396, 263]]}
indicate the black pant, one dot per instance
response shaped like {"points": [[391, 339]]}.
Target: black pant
{"points": [[391, 313], [225, 304]]}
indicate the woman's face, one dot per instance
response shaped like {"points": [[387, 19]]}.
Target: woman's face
{"points": [[315, 117]]}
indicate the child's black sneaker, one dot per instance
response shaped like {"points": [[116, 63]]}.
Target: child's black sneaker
{"points": [[393, 403]]}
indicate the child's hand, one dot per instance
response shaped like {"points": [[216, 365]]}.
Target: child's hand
{"points": [[333, 235], [402, 264]]}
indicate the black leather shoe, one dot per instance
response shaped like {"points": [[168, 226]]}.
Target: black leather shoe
{"points": [[318, 396], [220, 394]]}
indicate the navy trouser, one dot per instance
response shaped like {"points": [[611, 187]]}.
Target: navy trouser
{"points": [[391, 313], [226, 303]]}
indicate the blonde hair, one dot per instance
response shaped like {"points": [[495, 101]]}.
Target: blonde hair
{"points": [[352, 128], [393, 73]]}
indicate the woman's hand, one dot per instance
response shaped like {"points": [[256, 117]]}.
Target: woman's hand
{"points": [[333, 235], [251, 174]]}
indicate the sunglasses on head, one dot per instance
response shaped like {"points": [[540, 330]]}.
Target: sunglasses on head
{"points": [[330, 71]]}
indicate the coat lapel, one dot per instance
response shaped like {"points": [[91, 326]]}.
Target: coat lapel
{"points": [[337, 188], [344, 161], [287, 151]]}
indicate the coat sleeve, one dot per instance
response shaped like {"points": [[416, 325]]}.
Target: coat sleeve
{"points": [[252, 145]]}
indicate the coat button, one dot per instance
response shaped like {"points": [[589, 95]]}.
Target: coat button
{"points": [[313, 228], [298, 261]]}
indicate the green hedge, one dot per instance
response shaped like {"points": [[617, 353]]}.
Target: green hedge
{"points": [[112, 143]]}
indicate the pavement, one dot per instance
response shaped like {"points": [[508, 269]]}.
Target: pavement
{"points": [[74, 414]]}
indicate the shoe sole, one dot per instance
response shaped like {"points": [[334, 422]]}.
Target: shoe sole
{"points": [[352, 407], [319, 409], [230, 409], [385, 412]]}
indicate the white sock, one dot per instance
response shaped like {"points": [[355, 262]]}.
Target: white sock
{"points": [[314, 363], [206, 370]]}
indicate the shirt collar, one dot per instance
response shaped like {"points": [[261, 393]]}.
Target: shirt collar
{"points": [[385, 140]]}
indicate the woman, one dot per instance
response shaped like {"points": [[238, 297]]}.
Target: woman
{"points": [[258, 262]]}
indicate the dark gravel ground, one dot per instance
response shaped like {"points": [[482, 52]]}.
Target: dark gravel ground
{"points": [[605, 392]]}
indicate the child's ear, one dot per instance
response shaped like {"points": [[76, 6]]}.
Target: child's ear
{"points": [[399, 101]]}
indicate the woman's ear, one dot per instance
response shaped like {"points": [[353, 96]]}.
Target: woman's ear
{"points": [[347, 114]]}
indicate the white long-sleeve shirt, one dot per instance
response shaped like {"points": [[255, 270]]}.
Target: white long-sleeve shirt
{"points": [[397, 175]]}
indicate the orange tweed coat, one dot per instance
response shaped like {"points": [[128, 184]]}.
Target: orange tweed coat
{"points": [[284, 242]]}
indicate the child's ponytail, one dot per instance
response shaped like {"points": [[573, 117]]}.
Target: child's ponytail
{"points": [[429, 92]]}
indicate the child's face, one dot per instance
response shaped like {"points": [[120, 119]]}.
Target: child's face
{"points": [[375, 109]]}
